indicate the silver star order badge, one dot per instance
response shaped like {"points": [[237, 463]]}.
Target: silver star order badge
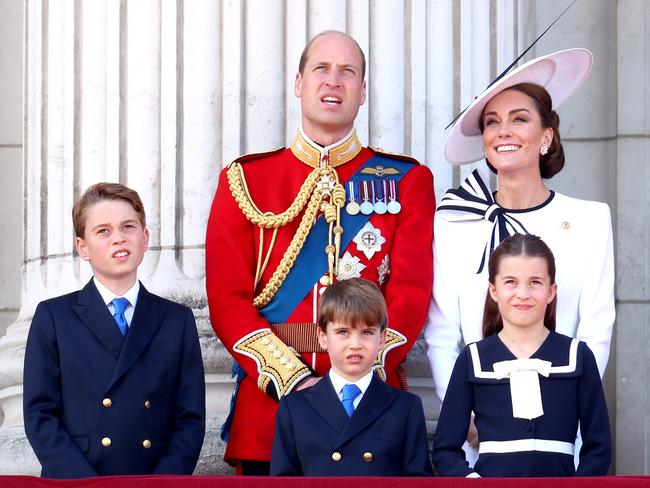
{"points": [[369, 240], [349, 267]]}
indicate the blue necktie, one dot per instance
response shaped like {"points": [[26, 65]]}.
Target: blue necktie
{"points": [[120, 305], [350, 392]]}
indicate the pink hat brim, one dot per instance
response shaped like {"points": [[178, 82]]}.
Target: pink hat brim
{"points": [[560, 73]]}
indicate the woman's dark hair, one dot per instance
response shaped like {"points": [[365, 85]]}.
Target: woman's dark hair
{"points": [[526, 245], [553, 161]]}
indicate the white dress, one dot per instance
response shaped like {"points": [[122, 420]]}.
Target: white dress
{"points": [[579, 233]]}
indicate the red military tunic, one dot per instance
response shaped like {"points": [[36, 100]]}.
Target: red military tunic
{"points": [[401, 266]]}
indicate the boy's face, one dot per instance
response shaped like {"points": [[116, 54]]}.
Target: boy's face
{"points": [[114, 243], [352, 350]]}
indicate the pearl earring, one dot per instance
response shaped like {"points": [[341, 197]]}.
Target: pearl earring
{"points": [[543, 150]]}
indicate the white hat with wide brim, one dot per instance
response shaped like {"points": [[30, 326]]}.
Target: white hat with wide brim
{"points": [[561, 73]]}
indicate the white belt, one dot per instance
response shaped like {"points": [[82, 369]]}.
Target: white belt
{"points": [[523, 445]]}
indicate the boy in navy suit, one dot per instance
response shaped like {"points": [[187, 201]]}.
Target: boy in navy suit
{"points": [[350, 423], [113, 380]]}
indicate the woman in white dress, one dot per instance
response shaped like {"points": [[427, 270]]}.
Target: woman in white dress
{"points": [[514, 126]]}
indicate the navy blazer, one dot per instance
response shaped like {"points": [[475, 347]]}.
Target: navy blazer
{"points": [[386, 435], [99, 404]]}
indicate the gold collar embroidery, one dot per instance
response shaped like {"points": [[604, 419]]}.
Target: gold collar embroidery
{"points": [[335, 155]]}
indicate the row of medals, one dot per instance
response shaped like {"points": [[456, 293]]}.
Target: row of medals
{"points": [[378, 196]]}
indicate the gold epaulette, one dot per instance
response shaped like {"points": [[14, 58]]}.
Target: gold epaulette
{"points": [[277, 364], [401, 157], [253, 156], [393, 339]]}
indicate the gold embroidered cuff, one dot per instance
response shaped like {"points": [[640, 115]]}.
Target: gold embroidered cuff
{"points": [[393, 339], [277, 364]]}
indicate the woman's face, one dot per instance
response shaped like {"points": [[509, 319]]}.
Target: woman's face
{"points": [[522, 289], [513, 134]]}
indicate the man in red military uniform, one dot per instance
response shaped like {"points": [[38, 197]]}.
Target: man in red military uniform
{"points": [[287, 223]]}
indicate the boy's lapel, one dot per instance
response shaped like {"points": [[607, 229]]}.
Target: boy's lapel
{"points": [[375, 401], [93, 312], [144, 325], [325, 401]]}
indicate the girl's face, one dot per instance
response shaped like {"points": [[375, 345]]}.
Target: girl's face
{"points": [[522, 289], [513, 133]]}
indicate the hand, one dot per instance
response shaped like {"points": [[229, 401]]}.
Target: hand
{"points": [[307, 382], [472, 434]]}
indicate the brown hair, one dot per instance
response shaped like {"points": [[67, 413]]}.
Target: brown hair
{"points": [[305, 51], [526, 245], [355, 302], [553, 162], [100, 192]]}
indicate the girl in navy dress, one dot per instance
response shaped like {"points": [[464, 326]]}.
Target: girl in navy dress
{"points": [[528, 386]]}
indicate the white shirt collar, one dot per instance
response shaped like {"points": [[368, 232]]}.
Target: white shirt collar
{"points": [[325, 149], [107, 295], [338, 382]]}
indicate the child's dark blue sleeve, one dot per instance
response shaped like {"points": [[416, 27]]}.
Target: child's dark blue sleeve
{"points": [[448, 455], [417, 461], [284, 456], [596, 451]]}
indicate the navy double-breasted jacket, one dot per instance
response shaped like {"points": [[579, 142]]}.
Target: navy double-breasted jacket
{"points": [[99, 404], [386, 435]]}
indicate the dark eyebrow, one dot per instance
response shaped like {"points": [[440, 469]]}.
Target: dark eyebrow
{"points": [[511, 112]]}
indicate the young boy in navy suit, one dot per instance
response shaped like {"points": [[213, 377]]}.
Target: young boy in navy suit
{"points": [[113, 380], [350, 423]]}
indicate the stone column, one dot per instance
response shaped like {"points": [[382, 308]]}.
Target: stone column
{"points": [[632, 237], [11, 58], [162, 94]]}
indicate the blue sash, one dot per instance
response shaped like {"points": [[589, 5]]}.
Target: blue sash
{"points": [[311, 262]]}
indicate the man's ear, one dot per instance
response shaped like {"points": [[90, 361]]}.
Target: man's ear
{"points": [[297, 87]]}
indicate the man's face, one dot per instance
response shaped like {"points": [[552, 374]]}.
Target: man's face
{"points": [[331, 88]]}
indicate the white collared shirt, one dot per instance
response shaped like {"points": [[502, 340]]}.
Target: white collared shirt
{"points": [[338, 382], [131, 295]]}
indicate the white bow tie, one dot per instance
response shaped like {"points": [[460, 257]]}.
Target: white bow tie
{"points": [[524, 384]]}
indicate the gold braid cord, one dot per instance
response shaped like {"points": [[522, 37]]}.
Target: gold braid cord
{"points": [[276, 362], [320, 191], [393, 339]]}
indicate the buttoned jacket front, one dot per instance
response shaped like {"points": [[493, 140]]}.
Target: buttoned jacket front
{"points": [[386, 435]]}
